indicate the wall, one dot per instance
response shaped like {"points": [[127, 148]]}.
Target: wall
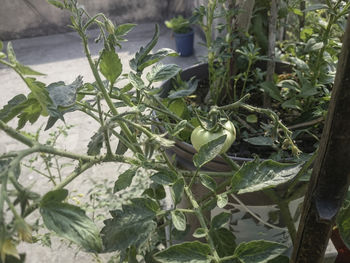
{"points": [[27, 18]]}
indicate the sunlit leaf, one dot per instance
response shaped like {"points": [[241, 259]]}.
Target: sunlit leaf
{"points": [[258, 175], [209, 151], [259, 251], [69, 221], [179, 220], [131, 226], [124, 180], [110, 65], [195, 252]]}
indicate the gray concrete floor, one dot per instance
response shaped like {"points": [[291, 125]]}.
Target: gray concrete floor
{"points": [[61, 58]]}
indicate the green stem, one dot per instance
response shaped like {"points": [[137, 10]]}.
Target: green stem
{"points": [[102, 123], [302, 171], [285, 213], [202, 222], [16, 135], [79, 170], [246, 75], [105, 95]]}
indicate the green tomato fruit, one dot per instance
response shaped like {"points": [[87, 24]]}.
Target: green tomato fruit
{"points": [[200, 136]]}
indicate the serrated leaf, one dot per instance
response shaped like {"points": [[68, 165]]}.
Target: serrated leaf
{"points": [[124, 180], [139, 59], [256, 175], [162, 72], [70, 222], [220, 220], [110, 65], [131, 226], [40, 93], [191, 88], [25, 70], [259, 141], [56, 3], [30, 110], [179, 220], [209, 151], [260, 251], [177, 190], [13, 107], [164, 177], [123, 29], [136, 81], [195, 252], [156, 57], [343, 223], [199, 233], [224, 241], [221, 200], [54, 196], [272, 90], [96, 143], [208, 182], [64, 95], [179, 127]]}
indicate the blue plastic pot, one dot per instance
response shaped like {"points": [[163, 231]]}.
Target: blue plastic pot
{"points": [[184, 43]]}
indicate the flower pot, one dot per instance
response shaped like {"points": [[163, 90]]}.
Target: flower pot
{"points": [[343, 251], [184, 43], [184, 152]]}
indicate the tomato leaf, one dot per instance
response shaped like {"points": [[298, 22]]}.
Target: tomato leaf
{"points": [[124, 180], [179, 220], [164, 177], [131, 226], [220, 220], [209, 151], [221, 200], [110, 65], [69, 221], [162, 72], [256, 175], [177, 190], [224, 241], [260, 251], [140, 58], [184, 253], [208, 182]]}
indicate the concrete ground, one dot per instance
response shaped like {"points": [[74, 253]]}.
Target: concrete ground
{"points": [[61, 58]]}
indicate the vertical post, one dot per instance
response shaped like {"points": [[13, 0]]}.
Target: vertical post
{"points": [[330, 178], [271, 49]]}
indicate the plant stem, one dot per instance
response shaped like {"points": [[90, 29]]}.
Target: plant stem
{"points": [[105, 95], [202, 222], [79, 170], [16, 135], [105, 131], [285, 213]]}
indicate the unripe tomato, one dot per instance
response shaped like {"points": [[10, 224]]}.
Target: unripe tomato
{"points": [[200, 136]]}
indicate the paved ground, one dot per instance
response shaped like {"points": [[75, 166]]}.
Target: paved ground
{"points": [[61, 58]]}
